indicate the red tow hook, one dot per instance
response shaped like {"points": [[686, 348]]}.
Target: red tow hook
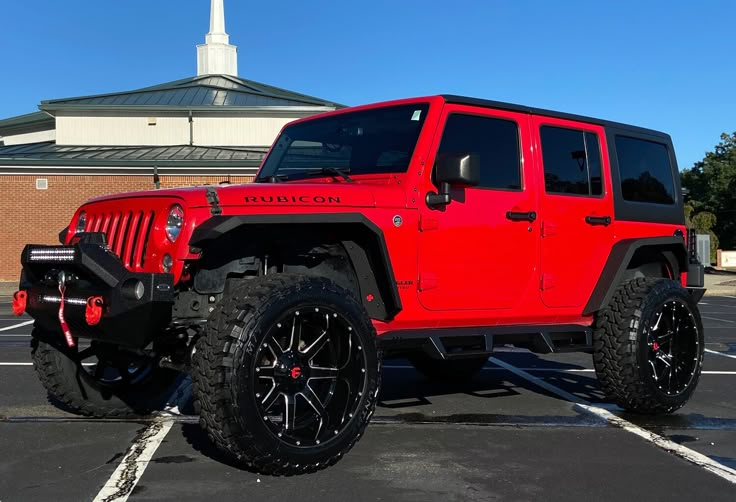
{"points": [[19, 302], [93, 314]]}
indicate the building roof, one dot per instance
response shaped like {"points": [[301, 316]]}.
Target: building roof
{"points": [[63, 159], [26, 123], [213, 92]]}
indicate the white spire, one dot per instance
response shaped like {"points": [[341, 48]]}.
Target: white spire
{"points": [[217, 56]]}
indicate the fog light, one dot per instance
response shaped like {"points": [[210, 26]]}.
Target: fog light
{"points": [[133, 289], [166, 263]]}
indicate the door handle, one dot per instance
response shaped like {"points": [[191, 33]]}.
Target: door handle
{"points": [[598, 220], [521, 216]]}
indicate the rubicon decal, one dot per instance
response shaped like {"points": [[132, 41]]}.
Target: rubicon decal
{"points": [[296, 199]]}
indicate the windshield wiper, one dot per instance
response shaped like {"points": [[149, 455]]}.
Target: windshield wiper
{"points": [[274, 178], [342, 172]]}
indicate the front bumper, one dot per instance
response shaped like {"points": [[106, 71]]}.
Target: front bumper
{"points": [[136, 306]]}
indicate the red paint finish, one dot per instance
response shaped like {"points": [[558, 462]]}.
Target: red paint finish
{"points": [[573, 252], [464, 265], [488, 248]]}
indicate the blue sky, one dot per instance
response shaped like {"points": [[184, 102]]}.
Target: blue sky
{"points": [[660, 64]]}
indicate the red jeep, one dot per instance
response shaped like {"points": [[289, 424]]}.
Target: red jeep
{"points": [[433, 228]]}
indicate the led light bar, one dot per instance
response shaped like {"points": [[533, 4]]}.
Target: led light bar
{"points": [[67, 301], [53, 255]]}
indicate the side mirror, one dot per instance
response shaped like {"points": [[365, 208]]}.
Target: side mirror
{"points": [[453, 170]]}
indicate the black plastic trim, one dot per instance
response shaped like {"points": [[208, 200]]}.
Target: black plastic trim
{"points": [[619, 259], [538, 338], [384, 308]]}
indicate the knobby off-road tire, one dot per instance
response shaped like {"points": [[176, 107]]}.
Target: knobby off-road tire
{"points": [[107, 394], [453, 370], [287, 376], [648, 346]]}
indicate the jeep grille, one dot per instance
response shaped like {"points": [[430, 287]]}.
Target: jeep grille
{"points": [[126, 234]]}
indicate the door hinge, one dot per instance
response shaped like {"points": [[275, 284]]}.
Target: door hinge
{"points": [[548, 282], [548, 229], [428, 223], [427, 281]]}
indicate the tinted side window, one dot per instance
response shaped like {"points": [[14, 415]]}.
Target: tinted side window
{"points": [[572, 161], [496, 141], [646, 172]]}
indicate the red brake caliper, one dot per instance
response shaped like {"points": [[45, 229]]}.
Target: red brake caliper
{"points": [[62, 321]]}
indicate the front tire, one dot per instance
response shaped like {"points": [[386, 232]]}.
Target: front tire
{"points": [[101, 381], [648, 346], [286, 377]]}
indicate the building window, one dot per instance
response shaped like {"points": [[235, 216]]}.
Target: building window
{"points": [[495, 141], [572, 162], [646, 171]]}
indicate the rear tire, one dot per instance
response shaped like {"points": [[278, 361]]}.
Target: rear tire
{"points": [[453, 370], [648, 346], [82, 391], [287, 376]]}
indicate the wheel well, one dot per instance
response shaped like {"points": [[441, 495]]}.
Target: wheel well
{"points": [[349, 254], [639, 257], [652, 262]]}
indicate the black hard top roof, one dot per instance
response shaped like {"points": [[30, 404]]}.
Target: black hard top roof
{"points": [[464, 100]]}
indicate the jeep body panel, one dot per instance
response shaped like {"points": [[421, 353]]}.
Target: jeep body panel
{"points": [[491, 257]]}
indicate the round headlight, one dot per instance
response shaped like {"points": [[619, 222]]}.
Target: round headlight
{"points": [[174, 222], [81, 222]]}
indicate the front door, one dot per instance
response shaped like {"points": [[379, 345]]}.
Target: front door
{"points": [[481, 250], [576, 209]]}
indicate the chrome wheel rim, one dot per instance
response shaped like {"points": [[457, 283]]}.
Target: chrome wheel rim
{"points": [[309, 376], [673, 347]]}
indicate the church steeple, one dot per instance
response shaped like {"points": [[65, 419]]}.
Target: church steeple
{"points": [[217, 56]]}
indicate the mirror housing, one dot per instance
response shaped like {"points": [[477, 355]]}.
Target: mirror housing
{"points": [[453, 170]]}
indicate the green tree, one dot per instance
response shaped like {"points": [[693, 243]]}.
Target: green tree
{"points": [[712, 189]]}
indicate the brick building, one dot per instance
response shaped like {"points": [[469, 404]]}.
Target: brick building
{"points": [[208, 129]]}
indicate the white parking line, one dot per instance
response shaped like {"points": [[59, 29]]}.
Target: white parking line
{"points": [[717, 319], [716, 353], [8, 328], [122, 482], [670, 446]]}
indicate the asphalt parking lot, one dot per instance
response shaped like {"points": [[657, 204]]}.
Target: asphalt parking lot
{"points": [[528, 427]]}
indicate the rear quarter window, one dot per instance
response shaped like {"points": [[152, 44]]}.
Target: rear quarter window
{"points": [[645, 170]]}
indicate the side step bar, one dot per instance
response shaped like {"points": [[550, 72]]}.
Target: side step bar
{"points": [[463, 343]]}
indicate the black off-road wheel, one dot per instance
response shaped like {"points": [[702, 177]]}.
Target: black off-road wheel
{"points": [[100, 380], [287, 376], [452, 370], [648, 346]]}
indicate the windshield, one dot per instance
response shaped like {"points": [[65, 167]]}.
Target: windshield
{"points": [[379, 140]]}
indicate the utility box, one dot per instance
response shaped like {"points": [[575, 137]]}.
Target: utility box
{"points": [[703, 248]]}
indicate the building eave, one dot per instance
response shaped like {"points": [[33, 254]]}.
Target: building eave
{"points": [[217, 109], [29, 123]]}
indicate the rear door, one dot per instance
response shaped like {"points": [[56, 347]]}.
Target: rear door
{"points": [[481, 250], [576, 209]]}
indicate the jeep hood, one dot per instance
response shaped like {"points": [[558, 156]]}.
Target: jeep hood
{"points": [[336, 195]]}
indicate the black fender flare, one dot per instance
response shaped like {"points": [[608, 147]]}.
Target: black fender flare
{"points": [[672, 248], [370, 259]]}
